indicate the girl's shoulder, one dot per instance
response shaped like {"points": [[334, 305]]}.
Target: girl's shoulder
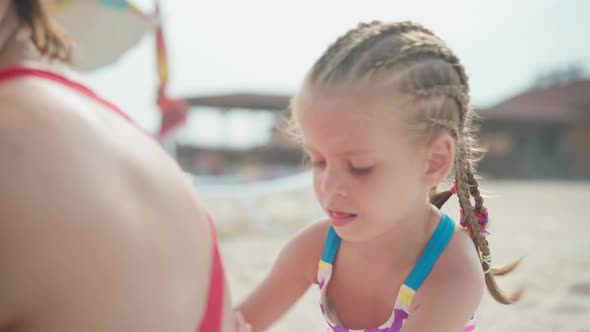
{"points": [[314, 233], [457, 275], [305, 248]]}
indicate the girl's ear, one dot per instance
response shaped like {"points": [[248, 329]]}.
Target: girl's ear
{"points": [[439, 160]]}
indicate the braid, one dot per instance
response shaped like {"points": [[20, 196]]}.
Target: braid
{"points": [[446, 124], [337, 46], [474, 186], [464, 187], [457, 93], [474, 191], [441, 51], [379, 33], [420, 52], [462, 182]]}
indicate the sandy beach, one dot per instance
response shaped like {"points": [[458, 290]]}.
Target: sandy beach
{"points": [[547, 223]]}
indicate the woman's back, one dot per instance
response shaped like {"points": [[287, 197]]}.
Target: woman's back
{"points": [[101, 230]]}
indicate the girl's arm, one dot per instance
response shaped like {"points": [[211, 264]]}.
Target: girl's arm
{"points": [[292, 273]]}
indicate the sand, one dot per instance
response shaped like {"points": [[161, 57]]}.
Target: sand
{"points": [[547, 223]]}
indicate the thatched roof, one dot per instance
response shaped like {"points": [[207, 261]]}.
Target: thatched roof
{"points": [[565, 104], [251, 101]]}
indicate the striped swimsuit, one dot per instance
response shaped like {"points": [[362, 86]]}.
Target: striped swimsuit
{"points": [[401, 310]]}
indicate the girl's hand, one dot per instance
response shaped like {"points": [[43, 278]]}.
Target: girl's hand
{"points": [[240, 323]]}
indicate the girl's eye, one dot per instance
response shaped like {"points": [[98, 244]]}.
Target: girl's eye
{"points": [[361, 170]]}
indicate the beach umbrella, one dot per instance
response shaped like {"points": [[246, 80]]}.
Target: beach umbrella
{"points": [[102, 30]]}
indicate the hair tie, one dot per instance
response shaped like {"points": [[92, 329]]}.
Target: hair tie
{"points": [[482, 218], [434, 191], [487, 259], [453, 189]]}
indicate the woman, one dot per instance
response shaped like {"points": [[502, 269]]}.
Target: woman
{"points": [[100, 230]]}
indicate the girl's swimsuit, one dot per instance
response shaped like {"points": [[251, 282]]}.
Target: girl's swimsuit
{"points": [[401, 310]]}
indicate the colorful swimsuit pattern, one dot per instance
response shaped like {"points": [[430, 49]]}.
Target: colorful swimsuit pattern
{"points": [[401, 310]]}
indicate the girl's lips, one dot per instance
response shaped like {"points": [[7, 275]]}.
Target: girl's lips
{"points": [[339, 219]]}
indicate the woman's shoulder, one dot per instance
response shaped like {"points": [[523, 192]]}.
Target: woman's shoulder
{"points": [[18, 99], [25, 126], [30, 105]]}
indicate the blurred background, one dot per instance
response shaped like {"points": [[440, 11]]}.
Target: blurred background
{"points": [[211, 81]]}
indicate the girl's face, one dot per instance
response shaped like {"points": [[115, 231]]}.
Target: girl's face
{"points": [[367, 174]]}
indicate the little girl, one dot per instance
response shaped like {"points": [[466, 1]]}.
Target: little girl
{"points": [[384, 116]]}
